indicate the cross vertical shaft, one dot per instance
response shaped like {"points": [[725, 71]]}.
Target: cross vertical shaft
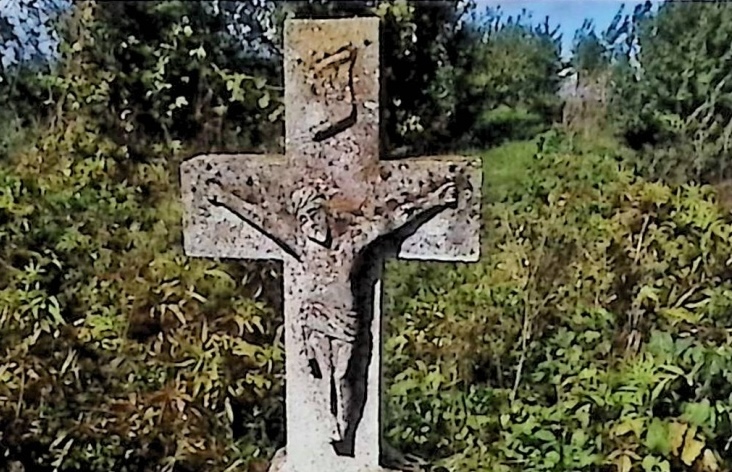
{"points": [[332, 136]]}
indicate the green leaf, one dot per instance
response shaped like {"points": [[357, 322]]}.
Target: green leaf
{"points": [[648, 293], [623, 463], [545, 435], [657, 437], [229, 410], [676, 436], [199, 52], [649, 463], [692, 448], [260, 82], [55, 310], [180, 102], [698, 414], [634, 425], [709, 461], [552, 458]]}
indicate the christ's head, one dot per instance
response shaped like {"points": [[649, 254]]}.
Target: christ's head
{"points": [[311, 214]]}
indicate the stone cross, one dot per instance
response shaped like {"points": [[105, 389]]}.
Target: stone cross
{"points": [[331, 211]]}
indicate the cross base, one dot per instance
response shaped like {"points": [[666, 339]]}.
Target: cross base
{"points": [[396, 463]]}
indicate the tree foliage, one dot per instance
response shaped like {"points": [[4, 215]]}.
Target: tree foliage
{"points": [[169, 71], [26, 32], [509, 79], [676, 102], [589, 54]]}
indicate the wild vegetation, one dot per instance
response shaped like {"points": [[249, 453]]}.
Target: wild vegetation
{"points": [[595, 334]]}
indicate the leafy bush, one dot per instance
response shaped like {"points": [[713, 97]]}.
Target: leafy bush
{"points": [[594, 332], [119, 352], [504, 122]]}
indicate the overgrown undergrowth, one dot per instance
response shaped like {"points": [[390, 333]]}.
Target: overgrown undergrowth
{"points": [[593, 335]]}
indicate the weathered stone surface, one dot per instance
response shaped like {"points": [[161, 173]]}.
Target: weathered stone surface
{"points": [[332, 212], [214, 230]]}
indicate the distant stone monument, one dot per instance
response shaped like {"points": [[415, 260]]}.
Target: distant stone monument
{"points": [[332, 212]]}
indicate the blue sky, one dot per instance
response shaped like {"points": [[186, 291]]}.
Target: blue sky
{"points": [[19, 15], [568, 14]]}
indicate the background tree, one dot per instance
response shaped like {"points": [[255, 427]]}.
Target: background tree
{"points": [[586, 85], [176, 71], [26, 36], [676, 97], [589, 54], [508, 79]]}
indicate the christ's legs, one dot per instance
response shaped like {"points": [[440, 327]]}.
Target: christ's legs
{"points": [[342, 351], [330, 335], [320, 346]]}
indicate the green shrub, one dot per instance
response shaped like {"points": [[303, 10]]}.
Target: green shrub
{"points": [[119, 353], [508, 80], [593, 333]]}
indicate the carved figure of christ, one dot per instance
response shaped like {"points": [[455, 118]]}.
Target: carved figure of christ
{"points": [[327, 242], [332, 212]]}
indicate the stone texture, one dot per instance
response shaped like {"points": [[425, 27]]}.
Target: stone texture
{"points": [[332, 212]]}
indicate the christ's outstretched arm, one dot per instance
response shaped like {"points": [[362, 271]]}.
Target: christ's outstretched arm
{"points": [[278, 226], [406, 208]]}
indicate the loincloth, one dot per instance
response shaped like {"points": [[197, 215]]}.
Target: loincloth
{"points": [[330, 321]]}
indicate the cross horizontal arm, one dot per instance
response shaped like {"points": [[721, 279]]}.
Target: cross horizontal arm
{"points": [[275, 226], [440, 197], [235, 207]]}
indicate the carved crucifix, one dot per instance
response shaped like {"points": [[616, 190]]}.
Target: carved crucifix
{"points": [[332, 212]]}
